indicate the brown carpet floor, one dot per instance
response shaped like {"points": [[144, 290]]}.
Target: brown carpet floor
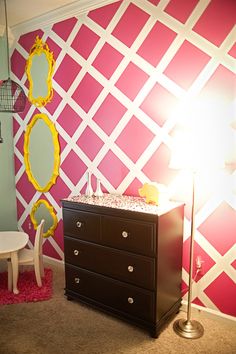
{"points": [[58, 326]]}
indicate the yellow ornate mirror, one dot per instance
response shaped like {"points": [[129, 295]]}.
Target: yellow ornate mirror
{"points": [[39, 69], [41, 152], [43, 210]]}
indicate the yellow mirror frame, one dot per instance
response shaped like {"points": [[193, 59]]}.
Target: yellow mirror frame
{"points": [[50, 231], [40, 48], [56, 165]]}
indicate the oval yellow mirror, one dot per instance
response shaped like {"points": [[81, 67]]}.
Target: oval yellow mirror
{"points": [[43, 210], [41, 152], [39, 69]]}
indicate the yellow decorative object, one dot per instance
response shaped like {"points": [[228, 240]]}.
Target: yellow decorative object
{"points": [[151, 193], [41, 64], [50, 231], [56, 153]]}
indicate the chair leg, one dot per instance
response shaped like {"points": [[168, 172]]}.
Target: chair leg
{"points": [[9, 274], [37, 273]]}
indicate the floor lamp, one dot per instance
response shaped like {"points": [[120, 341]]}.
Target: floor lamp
{"points": [[187, 155], [189, 328]]}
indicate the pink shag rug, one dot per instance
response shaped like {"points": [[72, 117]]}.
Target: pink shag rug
{"points": [[28, 289]]}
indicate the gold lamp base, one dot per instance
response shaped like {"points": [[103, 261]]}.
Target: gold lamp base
{"points": [[188, 329]]}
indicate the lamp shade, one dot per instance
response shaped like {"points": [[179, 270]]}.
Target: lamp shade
{"points": [[190, 151]]}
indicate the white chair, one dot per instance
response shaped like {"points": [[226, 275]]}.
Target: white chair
{"points": [[31, 257]]}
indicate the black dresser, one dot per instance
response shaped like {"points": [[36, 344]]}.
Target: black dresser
{"points": [[124, 256]]}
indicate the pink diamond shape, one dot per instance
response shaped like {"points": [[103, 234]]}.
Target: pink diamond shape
{"points": [[142, 134], [126, 82], [232, 51], [20, 144], [62, 143], [25, 188], [52, 106], [16, 126], [181, 9], [19, 208], [217, 12], [85, 41], [160, 34], [233, 264], [87, 92], [198, 302], [222, 292], [73, 167], [63, 29], [113, 169], [69, 115], [154, 2], [59, 190], [103, 15], [109, 114], [130, 24], [186, 65], [91, 149], [27, 40], [107, 60], [67, 72], [159, 104], [17, 64], [27, 107], [220, 234], [207, 264], [221, 84], [49, 250], [54, 48], [133, 188], [156, 169], [17, 164], [58, 235], [29, 231]]}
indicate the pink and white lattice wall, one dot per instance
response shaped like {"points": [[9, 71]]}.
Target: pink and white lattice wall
{"points": [[123, 74]]}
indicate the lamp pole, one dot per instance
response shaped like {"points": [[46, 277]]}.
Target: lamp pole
{"points": [[190, 328]]}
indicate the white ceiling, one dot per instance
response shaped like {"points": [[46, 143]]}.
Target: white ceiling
{"points": [[19, 11]]}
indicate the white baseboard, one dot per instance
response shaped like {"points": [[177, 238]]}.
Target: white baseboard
{"points": [[196, 309]]}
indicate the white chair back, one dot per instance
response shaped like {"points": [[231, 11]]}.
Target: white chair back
{"points": [[38, 243]]}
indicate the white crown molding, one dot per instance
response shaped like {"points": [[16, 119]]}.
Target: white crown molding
{"points": [[74, 9]]}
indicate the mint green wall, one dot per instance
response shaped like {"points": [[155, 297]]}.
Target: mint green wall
{"points": [[8, 219]]}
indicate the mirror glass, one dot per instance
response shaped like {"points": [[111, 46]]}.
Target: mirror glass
{"points": [[43, 210], [39, 70], [41, 152]]}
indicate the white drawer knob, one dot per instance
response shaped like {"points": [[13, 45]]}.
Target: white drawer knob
{"points": [[130, 300], [77, 280], [76, 252], [130, 269], [125, 234], [79, 224]]}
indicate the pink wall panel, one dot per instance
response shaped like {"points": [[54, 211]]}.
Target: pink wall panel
{"points": [[181, 9], [119, 97]]}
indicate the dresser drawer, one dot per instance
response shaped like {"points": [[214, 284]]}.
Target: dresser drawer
{"points": [[81, 225], [128, 235], [111, 293], [128, 267]]}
